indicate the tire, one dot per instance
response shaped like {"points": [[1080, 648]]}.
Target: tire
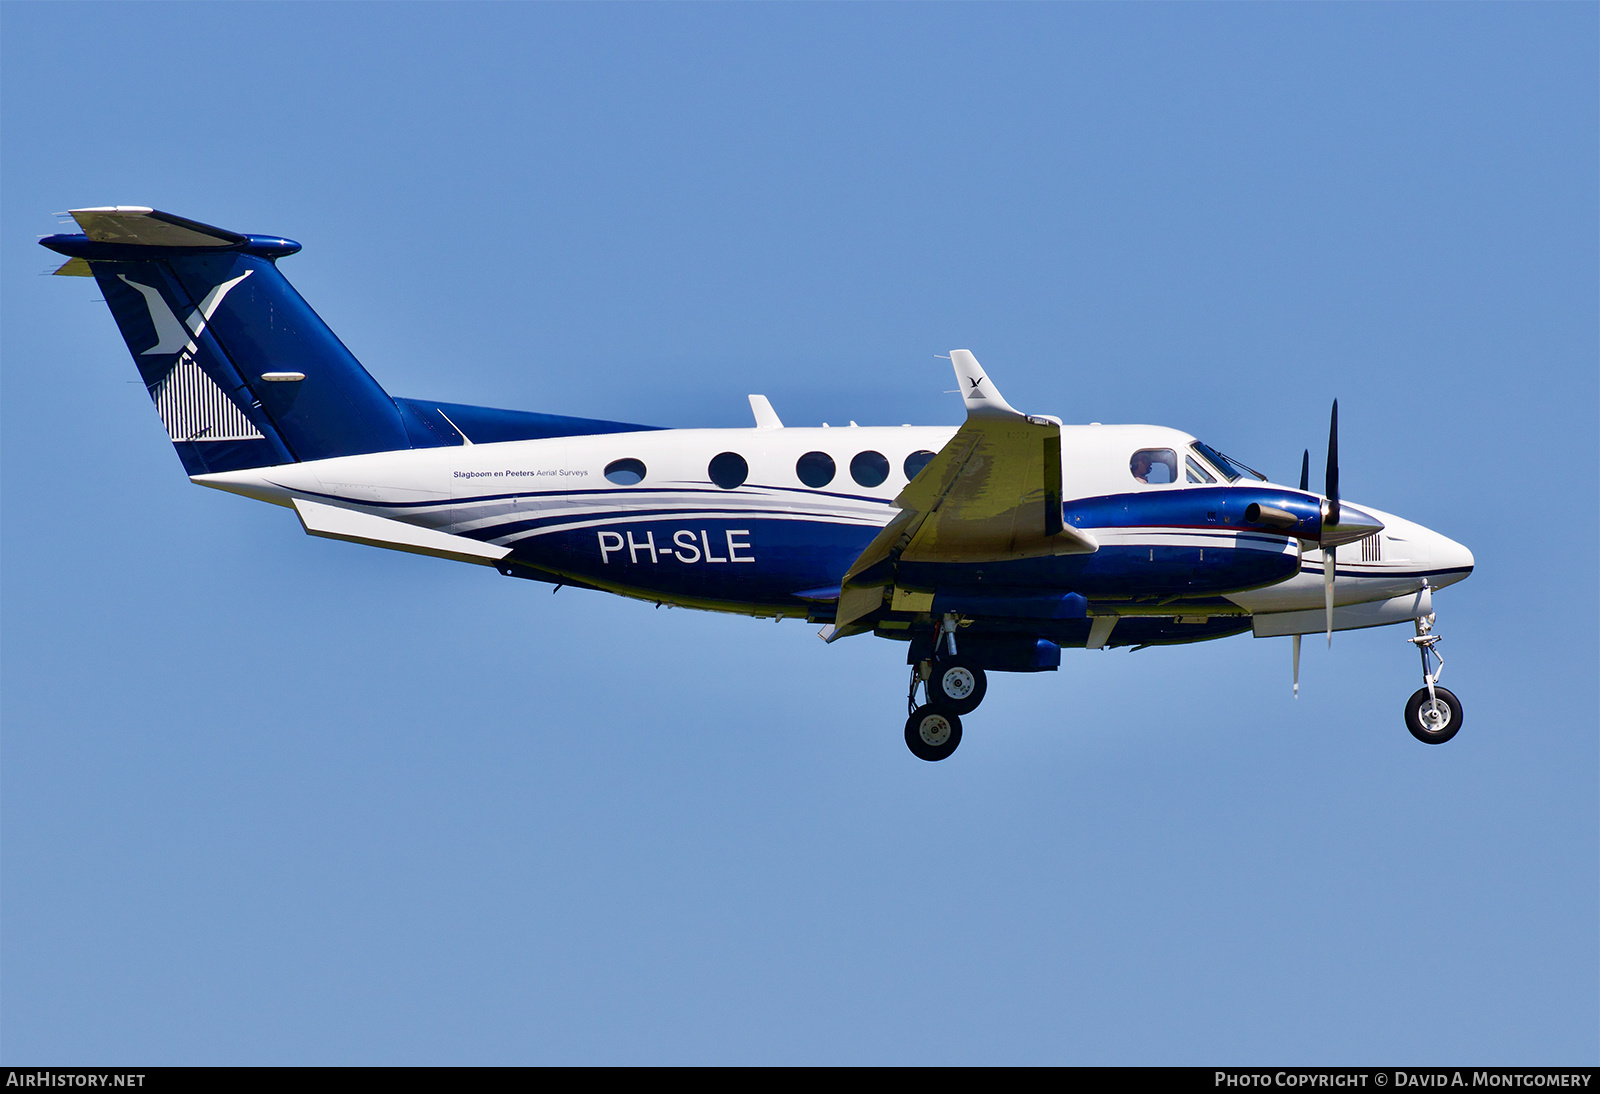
{"points": [[957, 685], [1444, 724], [932, 733]]}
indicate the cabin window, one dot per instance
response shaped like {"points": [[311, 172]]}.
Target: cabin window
{"points": [[869, 468], [1154, 465], [625, 472], [916, 462], [728, 470], [816, 469], [1195, 472]]}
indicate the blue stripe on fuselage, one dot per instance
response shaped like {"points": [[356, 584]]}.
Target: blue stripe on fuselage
{"points": [[1219, 507]]}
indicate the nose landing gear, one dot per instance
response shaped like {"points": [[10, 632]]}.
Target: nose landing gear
{"points": [[1433, 713]]}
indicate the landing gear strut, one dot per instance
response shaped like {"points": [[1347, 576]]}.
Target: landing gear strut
{"points": [[952, 686], [1433, 713]]}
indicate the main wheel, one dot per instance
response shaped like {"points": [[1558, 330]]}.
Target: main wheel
{"points": [[932, 733], [1433, 721], [957, 685]]}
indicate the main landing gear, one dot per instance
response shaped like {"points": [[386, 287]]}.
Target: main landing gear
{"points": [[952, 686], [1433, 714], [931, 733]]}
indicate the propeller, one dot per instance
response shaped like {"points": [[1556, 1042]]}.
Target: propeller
{"points": [[1330, 563], [1336, 530], [1305, 485], [1332, 482]]}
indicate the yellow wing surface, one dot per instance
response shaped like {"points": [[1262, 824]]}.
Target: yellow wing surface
{"points": [[992, 494]]}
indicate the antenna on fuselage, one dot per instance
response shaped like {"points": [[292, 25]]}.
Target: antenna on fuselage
{"points": [[464, 438]]}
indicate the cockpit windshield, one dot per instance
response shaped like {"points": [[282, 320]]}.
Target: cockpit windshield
{"points": [[1231, 469]]}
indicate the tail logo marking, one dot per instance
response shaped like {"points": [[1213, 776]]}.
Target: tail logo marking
{"points": [[170, 335], [191, 405], [194, 408]]}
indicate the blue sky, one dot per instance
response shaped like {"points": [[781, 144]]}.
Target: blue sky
{"points": [[273, 799]]}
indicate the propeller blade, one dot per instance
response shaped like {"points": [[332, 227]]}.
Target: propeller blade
{"points": [[1330, 561], [1297, 666], [1329, 565], [1332, 483], [1305, 470]]}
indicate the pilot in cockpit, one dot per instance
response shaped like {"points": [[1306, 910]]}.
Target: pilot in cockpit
{"points": [[1154, 465]]}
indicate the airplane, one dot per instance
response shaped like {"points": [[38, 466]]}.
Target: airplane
{"points": [[988, 547]]}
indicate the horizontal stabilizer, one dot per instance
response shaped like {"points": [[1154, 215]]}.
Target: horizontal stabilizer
{"points": [[1351, 617], [136, 225], [334, 522]]}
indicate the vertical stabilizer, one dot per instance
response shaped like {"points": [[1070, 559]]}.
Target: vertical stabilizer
{"points": [[242, 371]]}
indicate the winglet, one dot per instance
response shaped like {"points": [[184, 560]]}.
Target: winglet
{"points": [[766, 417], [982, 398]]}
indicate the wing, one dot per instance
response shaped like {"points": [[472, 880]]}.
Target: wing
{"points": [[992, 493]]}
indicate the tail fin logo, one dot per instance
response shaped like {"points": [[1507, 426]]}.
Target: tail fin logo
{"points": [[190, 403], [171, 337]]}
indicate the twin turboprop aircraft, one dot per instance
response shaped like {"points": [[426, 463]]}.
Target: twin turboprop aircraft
{"points": [[985, 548]]}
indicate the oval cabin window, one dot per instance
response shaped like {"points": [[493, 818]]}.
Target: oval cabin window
{"points": [[869, 468], [916, 462], [816, 469], [728, 470], [625, 472]]}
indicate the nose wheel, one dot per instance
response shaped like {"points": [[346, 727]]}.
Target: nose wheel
{"points": [[1433, 713], [1433, 718]]}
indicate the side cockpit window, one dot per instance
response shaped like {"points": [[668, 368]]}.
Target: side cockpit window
{"points": [[1154, 465], [1196, 472]]}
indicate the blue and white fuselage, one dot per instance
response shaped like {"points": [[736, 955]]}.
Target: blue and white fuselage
{"points": [[774, 546]]}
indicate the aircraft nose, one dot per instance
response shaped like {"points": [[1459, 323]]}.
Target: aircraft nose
{"points": [[1451, 561]]}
